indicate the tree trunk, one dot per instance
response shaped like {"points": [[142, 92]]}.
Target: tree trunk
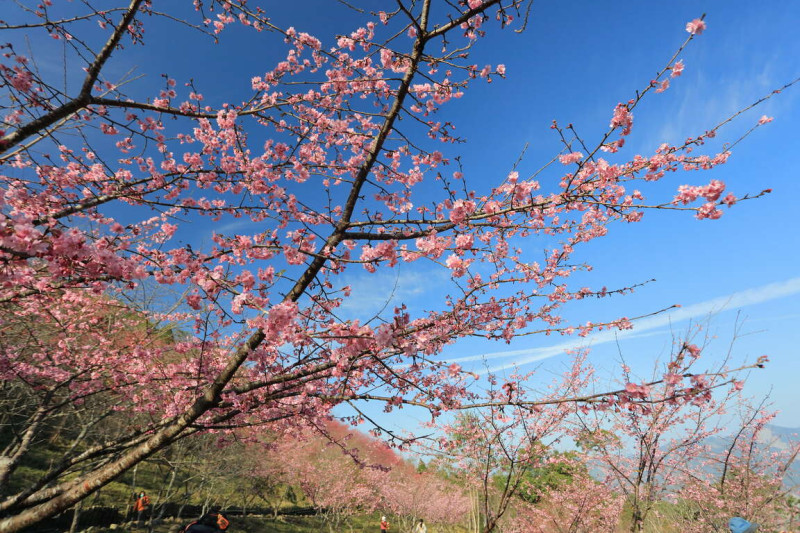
{"points": [[9, 463], [76, 513]]}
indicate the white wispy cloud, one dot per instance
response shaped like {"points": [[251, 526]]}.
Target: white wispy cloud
{"points": [[373, 293], [702, 101], [645, 327]]}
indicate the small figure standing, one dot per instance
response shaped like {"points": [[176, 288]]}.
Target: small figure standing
{"points": [[140, 505], [384, 525], [421, 527], [740, 525]]}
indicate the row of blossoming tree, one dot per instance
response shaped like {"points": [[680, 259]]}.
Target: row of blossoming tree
{"points": [[335, 158], [343, 474], [662, 463], [676, 467], [670, 476]]}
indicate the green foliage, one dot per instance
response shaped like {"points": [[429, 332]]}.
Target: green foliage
{"points": [[555, 472], [596, 440]]}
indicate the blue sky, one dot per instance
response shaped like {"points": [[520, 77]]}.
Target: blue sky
{"points": [[574, 63], [745, 262]]}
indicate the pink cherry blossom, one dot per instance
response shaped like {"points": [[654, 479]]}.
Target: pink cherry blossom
{"points": [[696, 26], [254, 220], [622, 118], [572, 157]]}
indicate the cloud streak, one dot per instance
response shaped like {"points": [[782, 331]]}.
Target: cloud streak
{"points": [[374, 293], [645, 327]]}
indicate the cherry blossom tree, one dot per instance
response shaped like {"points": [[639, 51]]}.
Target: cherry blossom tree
{"points": [[581, 504], [410, 495], [495, 449], [646, 451], [748, 477], [54, 401], [340, 472], [343, 472], [335, 487], [266, 479], [339, 156]]}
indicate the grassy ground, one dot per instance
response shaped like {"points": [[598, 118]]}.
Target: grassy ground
{"points": [[255, 524]]}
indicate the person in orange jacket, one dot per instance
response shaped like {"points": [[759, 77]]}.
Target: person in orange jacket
{"points": [[212, 522], [384, 525], [140, 505]]}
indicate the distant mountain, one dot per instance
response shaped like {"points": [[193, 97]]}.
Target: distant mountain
{"points": [[776, 438], [780, 437]]}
